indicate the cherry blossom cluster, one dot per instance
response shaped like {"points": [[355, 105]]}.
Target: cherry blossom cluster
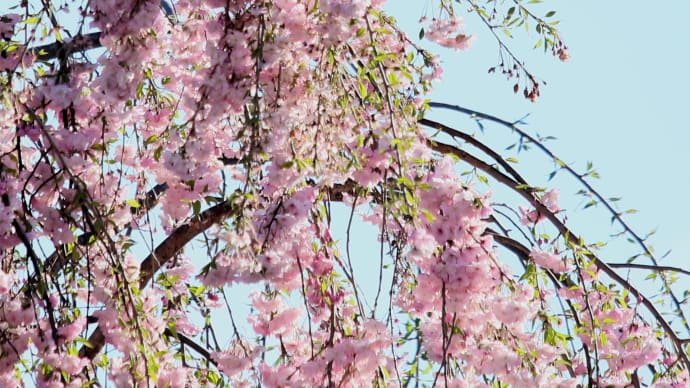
{"points": [[252, 118], [446, 32]]}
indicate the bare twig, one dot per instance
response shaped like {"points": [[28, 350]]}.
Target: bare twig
{"points": [[655, 268]]}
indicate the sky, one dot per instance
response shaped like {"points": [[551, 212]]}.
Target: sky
{"points": [[620, 102]]}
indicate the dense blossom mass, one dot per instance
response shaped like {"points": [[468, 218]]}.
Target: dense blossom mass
{"points": [[237, 124]]}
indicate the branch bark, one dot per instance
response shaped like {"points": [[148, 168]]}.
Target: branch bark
{"points": [[176, 241], [580, 178], [570, 237], [85, 42], [161, 255]]}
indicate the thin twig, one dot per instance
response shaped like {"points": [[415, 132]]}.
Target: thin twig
{"points": [[189, 342], [656, 268]]}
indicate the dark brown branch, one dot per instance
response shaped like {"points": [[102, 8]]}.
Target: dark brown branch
{"points": [[57, 260], [655, 268], [151, 199], [616, 215], [538, 144], [179, 238], [80, 43], [569, 236], [177, 241], [161, 255], [522, 252], [85, 42], [189, 342], [37, 285], [476, 143]]}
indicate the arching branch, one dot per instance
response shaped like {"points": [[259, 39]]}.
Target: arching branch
{"points": [[176, 241], [476, 143], [570, 237], [615, 214], [162, 254]]}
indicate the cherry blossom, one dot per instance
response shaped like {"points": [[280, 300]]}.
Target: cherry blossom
{"points": [[170, 207]]}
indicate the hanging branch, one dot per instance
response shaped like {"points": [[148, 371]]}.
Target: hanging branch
{"points": [[579, 177], [85, 42], [176, 241], [570, 237]]}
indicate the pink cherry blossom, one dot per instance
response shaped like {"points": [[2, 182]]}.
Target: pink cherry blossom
{"points": [[550, 261], [5, 284], [445, 33], [214, 152]]}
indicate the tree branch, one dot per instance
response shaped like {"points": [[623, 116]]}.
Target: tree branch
{"points": [[177, 240], [161, 255], [656, 268], [54, 50], [476, 143], [570, 237], [85, 42], [189, 342], [54, 263], [616, 215]]}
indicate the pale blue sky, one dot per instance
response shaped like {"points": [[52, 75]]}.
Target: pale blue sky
{"points": [[620, 102]]}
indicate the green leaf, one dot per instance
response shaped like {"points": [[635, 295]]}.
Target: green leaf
{"points": [[540, 42], [510, 13], [362, 89], [590, 204], [84, 341], [151, 139]]}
